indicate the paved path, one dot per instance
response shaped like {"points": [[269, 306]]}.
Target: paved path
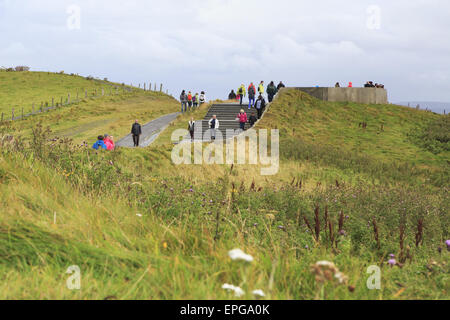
{"points": [[150, 131]]}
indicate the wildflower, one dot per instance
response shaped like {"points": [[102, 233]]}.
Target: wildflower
{"points": [[258, 293], [341, 277], [326, 271], [448, 244], [392, 256], [238, 292], [347, 217], [191, 190], [281, 227], [392, 262], [238, 254], [342, 233], [307, 247], [255, 224], [165, 245], [139, 215]]}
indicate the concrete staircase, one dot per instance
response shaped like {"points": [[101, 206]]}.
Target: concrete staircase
{"points": [[226, 114]]}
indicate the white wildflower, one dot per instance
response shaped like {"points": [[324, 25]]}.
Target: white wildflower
{"points": [[238, 254], [238, 292], [139, 215], [259, 293]]}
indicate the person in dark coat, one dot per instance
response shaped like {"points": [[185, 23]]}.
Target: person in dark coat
{"points": [[232, 95], [136, 131], [271, 91], [252, 120], [280, 85], [260, 104], [191, 128]]}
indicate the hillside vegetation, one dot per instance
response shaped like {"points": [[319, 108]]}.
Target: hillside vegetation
{"points": [[141, 228]]}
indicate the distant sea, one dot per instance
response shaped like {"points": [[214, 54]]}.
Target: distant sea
{"points": [[438, 107]]}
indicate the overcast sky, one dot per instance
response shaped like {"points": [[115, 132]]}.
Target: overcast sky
{"points": [[215, 45]]}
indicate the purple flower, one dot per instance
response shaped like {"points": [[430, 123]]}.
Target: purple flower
{"points": [[347, 217], [255, 225], [447, 243], [342, 233], [392, 262], [191, 190], [281, 227], [306, 247], [392, 256]]}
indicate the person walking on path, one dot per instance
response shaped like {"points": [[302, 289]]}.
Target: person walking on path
{"points": [[260, 104], [183, 99], [191, 128], [189, 98], [261, 88], [100, 144], [202, 98], [251, 95], [241, 93], [136, 131], [280, 85], [252, 120], [271, 91], [242, 116], [232, 95], [213, 125]]}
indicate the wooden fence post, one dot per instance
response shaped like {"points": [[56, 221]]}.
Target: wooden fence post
{"points": [[149, 86], [85, 93], [2, 116], [160, 89], [68, 98], [33, 107], [145, 86], [22, 114], [53, 102], [155, 87], [61, 102], [103, 92], [12, 115]]}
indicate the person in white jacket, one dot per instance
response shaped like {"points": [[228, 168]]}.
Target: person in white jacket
{"points": [[213, 125]]}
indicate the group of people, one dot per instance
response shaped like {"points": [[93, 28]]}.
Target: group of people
{"points": [[190, 101], [369, 84], [242, 91], [105, 142]]}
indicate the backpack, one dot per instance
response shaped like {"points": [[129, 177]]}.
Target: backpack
{"points": [[241, 91], [258, 104], [251, 91]]}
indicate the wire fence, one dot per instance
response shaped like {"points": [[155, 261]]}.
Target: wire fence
{"points": [[96, 93]]}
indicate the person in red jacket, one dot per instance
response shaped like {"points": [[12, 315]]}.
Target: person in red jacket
{"points": [[189, 98], [242, 116], [251, 95]]}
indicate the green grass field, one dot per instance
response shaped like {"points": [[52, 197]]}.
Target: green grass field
{"points": [[140, 227]]}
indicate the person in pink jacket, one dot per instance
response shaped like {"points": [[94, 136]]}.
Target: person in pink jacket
{"points": [[109, 142], [242, 116]]}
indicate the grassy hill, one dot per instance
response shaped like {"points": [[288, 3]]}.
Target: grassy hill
{"points": [[23, 89], [141, 228], [88, 118]]}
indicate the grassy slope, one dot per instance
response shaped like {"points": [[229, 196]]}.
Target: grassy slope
{"points": [[170, 252], [21, 89], [113, 115]]}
